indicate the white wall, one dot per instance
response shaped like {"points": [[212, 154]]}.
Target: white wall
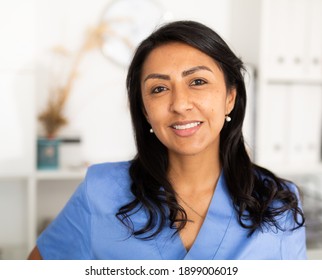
{"points": [[17, 85], [98, 108], [245, 23]]}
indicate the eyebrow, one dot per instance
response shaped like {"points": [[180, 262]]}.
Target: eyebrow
{"points": [[183, 74], [195, 69], [157, 76]]}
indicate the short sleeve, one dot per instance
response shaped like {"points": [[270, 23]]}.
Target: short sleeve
{"points": [[293, 244], [68, 236]]}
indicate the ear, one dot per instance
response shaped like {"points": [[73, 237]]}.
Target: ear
{"points": [[230, 100]]}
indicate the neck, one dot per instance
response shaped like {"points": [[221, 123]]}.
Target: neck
{"points": [[194, 174]]}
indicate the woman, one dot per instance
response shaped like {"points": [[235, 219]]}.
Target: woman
{"points": [[192, 191]]}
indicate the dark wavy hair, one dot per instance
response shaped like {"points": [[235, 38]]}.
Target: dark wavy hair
{"points": [[252, 188]]}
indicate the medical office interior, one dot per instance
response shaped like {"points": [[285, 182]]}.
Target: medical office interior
{"points": [[77, 52]]}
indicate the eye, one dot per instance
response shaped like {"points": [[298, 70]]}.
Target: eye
{"points": [[198, 82], [158, 89]]}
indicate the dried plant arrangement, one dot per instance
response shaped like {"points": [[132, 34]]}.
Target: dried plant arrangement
{"points": [[53, 117]]}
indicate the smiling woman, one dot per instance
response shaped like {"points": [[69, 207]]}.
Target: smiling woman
{"points": [[191, 192]]}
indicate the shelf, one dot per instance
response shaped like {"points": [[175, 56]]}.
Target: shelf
{"points": [[60, 174], [300, 170], [293, 81], [45, 175], [314, 254], [13, 251], [14, 176], [294, 169]]}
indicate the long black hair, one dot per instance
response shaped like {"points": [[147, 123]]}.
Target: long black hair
{"points": [[252, 188]]}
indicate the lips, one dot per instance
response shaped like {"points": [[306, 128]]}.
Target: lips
{"points": [[186, 129], [185, 126]]}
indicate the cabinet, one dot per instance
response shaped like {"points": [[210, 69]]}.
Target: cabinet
{"points": [[283, 39], [289, 133], [289, 102], [28, 203], [290, 86], [17, 150], [292, 40]]}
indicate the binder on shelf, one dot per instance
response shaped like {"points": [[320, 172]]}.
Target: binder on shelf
{"points": [[305, 124], [274, 125]]}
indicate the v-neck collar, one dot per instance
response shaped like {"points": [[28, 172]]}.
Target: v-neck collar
{"points": [[210, 235]]}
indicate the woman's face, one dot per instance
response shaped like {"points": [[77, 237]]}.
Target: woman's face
{"points": [[185, 98]]}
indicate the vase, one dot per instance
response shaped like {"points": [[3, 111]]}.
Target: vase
{"points": [[48, 153]]}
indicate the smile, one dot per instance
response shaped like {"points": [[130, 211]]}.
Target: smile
{"points": [[186, 126], [186, 129]]}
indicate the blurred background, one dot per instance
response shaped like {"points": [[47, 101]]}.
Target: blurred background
{"points": [[63, 101]]}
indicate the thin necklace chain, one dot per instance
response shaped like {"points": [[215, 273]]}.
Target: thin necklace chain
{"points": [[193, 210]]}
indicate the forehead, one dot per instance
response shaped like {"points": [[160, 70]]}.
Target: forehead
{"points": [[174, 56]]}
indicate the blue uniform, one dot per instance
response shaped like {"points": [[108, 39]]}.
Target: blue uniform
{"points": [[87, 227]]}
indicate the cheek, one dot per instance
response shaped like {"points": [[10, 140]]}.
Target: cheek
{"points": [[214, 105], [154, 114], [147, 109]]}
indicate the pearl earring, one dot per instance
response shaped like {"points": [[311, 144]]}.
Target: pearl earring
{"points": [[228, 119], [151, 130]]}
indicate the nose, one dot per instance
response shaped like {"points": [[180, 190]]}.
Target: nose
{"points": [[180, 100]]}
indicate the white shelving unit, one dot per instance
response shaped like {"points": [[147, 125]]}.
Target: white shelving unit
{"points": [[290, 86], [60, 175], [48, 193], [34, 198], [289, 129], [288, 37]]}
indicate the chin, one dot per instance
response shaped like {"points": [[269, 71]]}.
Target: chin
{"points": [[196, 149], [189, 151]]}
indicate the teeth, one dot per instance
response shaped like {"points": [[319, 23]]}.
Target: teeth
{"points": [[186, 126]]}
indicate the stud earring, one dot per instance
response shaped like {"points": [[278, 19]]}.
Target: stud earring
{"points": [[151, 130], [227, 118]]}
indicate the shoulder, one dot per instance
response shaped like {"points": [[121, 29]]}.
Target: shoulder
{"points": [[280, 190], [280, 193], [108, 172], [108, 184], [269, 179], [292, 187]]}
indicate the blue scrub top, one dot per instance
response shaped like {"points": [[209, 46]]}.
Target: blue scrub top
{"points": [[87, 227]]}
